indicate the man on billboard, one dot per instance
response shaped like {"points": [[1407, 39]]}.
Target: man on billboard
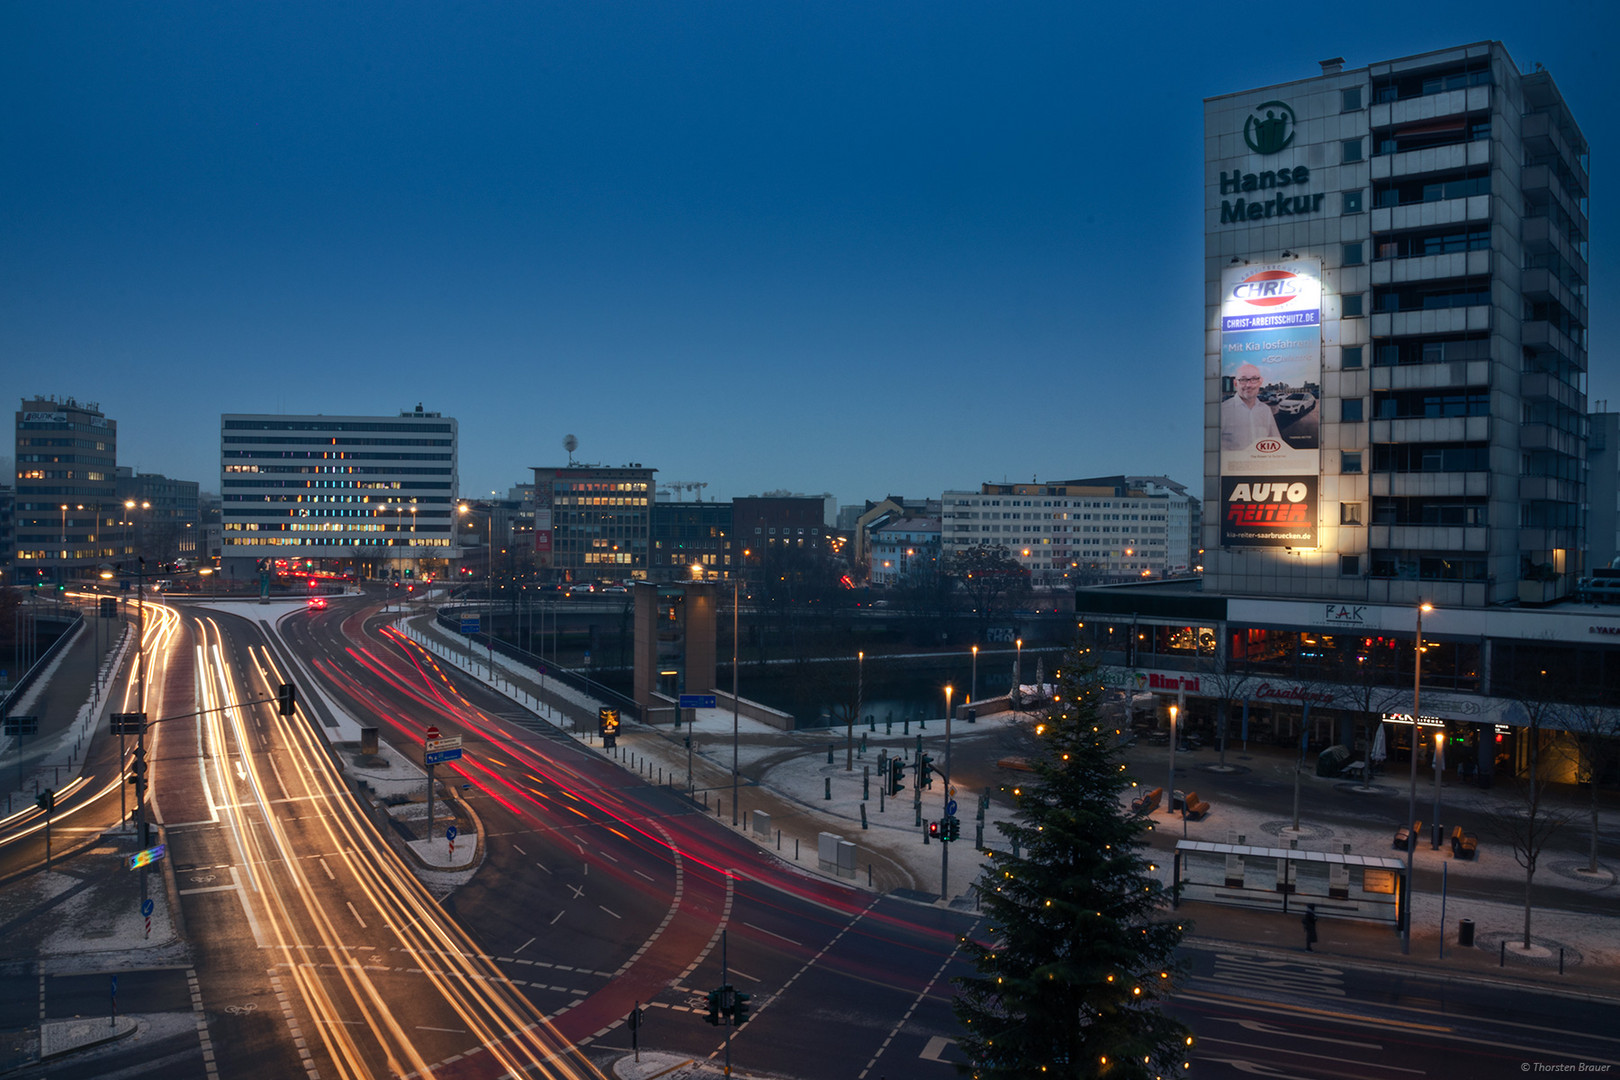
{"points": [[1245, 419]]}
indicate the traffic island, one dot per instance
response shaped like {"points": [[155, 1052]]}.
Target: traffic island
{"points": [[58, 1037]]}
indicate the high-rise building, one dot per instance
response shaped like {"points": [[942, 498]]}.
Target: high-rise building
{"points": [[67, 508], [379, 491], [591, 522], [1395, 346]]}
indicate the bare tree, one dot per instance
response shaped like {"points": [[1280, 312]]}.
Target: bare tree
{"points": [[1594, 744], [1528, 819], [990, 579]]}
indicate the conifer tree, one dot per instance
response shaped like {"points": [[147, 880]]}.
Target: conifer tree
{"points": [[1078, 957]]}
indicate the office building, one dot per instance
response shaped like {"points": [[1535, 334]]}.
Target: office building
{"points": [[1074, 532], [371, 494], [67, 508], [904, 551], [1395, 347], [592, 522], [164, 516], [691, 534]]}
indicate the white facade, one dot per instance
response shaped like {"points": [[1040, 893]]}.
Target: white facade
{"points": [[1076, 532], [902, 549], [326, 487], [1444, 198]]}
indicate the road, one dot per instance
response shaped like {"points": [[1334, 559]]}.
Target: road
{"points": [[619, 889]]}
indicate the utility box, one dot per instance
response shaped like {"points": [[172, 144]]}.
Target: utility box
{"points": [[846, 859], [368, 740], [762, 823], [827, 851]]}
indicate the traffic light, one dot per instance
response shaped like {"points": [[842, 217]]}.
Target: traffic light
{"points": [[897, 773], [739, 1008], [714, 1009], [137, 771], [953, 828], [925, 771], [933, 829], [286, 699], [46, 800]]}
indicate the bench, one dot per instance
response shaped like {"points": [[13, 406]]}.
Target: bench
{"points": [[1463, 845], [1148, 803], [1405, 838], [1194, 807]]}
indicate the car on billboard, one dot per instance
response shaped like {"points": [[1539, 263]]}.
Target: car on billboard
{"points": [[1297, 404]]}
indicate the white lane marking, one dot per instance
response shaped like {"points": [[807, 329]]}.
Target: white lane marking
{"points": [[555, 918], [207, 888], [520, 851], [329, 875], [614, 914], [523, 946], [543, 867], [773, 934], [936, 1046], [649, 877], [356, 914]]}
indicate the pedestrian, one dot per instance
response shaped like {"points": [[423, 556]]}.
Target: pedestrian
{"points": [[1309, 922]]}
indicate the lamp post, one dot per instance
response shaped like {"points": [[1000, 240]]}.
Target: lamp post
{"points": [[1170, 785], [1018, 674], [944, 842], [1439, 766], [1411, 800], [735, 595], [860, 690], [973, 688]]}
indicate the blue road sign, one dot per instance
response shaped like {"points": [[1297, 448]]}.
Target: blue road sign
{"points": [[439, 757], [950, 808], [697, 701], [450, 833], [469, 625], [146, 909]]}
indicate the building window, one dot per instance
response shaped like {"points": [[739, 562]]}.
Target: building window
{"points": [[1350, 357], [1350, 565], [1351, 150], [1352, 305], [1352, 254], [1350, 461], [1352, 202], [1349, 513], [1350, 99], [1350, 411]]}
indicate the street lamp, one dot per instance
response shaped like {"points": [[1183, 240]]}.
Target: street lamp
{"points": [[860, 692], [973, 690], [945, 844], [736, 578], [1411, 800], [1170, 785], [1018, 674], [1439, 765]]}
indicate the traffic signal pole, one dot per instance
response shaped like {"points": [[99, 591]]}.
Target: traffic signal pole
{"points": [[945, 819]]}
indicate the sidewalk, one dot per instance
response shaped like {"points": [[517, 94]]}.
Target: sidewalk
{"points": [[786, 774]]}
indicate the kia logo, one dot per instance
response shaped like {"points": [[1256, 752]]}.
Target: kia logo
{"points": [[1268, 446]]}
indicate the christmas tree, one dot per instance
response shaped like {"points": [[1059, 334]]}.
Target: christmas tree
{"points": [[1079, 952]]}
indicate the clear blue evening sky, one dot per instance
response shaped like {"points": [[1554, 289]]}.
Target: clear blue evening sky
{"points": [[850, 247]]}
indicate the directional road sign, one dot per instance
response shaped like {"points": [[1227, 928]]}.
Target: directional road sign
{"points": [[450, 833], [22, 725], [147, 907], [469, 624], [448, 742], [439, 757], [432, 731], [147, 857], [697, 701], [950, 808]]}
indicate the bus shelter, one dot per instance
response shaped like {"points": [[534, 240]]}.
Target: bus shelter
{"points": [[1339, 883]]}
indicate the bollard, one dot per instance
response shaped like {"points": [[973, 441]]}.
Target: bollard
{"points": [[866, 784], [827, 793], [905, 726], [868, 875], [863, 825], [863, 743], [1560, 959], [778, 839], [871, 724], [1502, 960], [978, 836], [890, 729], [925, 837], [829, 753], [795, 849]]}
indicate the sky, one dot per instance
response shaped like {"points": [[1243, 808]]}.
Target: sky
{"points": [[858, 248]]}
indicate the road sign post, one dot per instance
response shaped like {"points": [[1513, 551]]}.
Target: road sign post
{"points": [[450, 835], [428, 760]]}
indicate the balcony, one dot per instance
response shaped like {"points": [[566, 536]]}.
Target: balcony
{"points": [[1454, 373], [1548, 488], [1437, 321], [1430, 537], [1540, 135], [1432, 429], [1429, 214], [1430, 483]]}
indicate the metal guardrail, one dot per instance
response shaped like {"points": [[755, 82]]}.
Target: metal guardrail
{"points": [[449, 617]]}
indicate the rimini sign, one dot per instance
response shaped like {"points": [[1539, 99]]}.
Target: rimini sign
{"points": [[1269, 129]]}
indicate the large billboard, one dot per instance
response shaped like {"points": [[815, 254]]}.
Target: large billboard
{"points": [[1271, 390]]}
